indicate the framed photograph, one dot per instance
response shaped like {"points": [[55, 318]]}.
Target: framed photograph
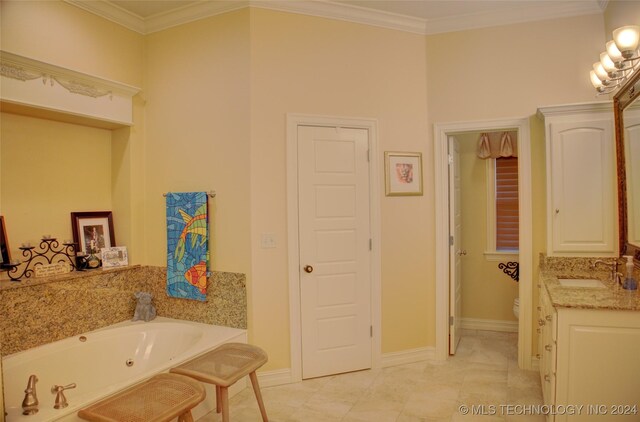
{"points": [[115, 256], [5, 253], [403, 173], [92, 231]]}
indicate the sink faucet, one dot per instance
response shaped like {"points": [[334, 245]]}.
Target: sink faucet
{"points": [[613, 266], [30, 402], [61, 399]]}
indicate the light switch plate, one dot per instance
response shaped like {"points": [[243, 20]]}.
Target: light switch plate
{"points": [[268, 241]]}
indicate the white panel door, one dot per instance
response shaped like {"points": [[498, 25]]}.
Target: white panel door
{"points": [[334, 231], [455, 249], [583, 216]]}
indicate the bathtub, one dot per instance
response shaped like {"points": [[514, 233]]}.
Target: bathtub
{"points": [[107, 360]]}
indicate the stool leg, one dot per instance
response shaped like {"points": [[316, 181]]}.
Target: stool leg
{"points": [[224, 399], [186, 417], [256, 390], [218, 400]]}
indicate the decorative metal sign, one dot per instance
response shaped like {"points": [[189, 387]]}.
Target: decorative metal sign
{"points": [[511, 269], [45, 261]]}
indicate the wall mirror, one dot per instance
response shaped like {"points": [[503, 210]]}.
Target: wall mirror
{"points": [[626, 107]]}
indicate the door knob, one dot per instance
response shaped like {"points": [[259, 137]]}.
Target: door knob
{"points": [[462, 252], [308, 268]]}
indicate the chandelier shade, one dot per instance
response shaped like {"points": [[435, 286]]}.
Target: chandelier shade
{"points": [[613, 52], [626, 39]]}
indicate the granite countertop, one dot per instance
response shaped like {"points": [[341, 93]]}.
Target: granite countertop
{"points": [[611, 297], [6, 284]]}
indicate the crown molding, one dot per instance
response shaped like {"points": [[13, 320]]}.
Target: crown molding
{"points": [[568, 109], [540, 11], [603, 4], [190, 13], [340, 11], [345, 12], [112, 12]]}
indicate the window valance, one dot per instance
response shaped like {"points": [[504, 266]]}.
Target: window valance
{"points": [[497, 144]]}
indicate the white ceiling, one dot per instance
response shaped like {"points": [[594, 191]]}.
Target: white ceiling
{"points": [[422, 16]]}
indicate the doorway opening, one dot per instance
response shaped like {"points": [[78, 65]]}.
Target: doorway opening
{"points": [[483, 198], [444, 304]]}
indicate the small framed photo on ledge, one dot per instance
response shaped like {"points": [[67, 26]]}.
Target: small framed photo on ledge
{"points": [[403, 173], [92, 231], [115, 256], [5, 253]]}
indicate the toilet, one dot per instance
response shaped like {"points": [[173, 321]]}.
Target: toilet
{"points": [[516, 307]]}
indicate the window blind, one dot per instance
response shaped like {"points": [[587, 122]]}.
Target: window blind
{"points": [[507, 221]]}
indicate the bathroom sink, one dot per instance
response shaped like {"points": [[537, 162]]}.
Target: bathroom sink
{"points": [[581, 282]]}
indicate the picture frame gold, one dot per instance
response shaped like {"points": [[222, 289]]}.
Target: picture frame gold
{"points": [[403, 173]]}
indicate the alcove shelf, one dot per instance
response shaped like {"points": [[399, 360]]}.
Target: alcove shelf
{"points": [[43, 90]]}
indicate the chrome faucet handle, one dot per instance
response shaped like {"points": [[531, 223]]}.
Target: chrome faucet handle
{"points": [[30, 402], [617, 280], [61, 399]]}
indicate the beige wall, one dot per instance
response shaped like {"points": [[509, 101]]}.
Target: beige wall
{"points": [[197, 132], [620, 13], [303, 64], [220, 89], [64, 35], [508, 72], [487, 293], [49, 169]]}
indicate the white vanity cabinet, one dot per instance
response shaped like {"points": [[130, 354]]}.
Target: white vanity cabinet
{"points": [[547, 336], [590, 358], [581, 180]]}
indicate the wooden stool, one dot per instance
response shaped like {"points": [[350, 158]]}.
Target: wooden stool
{"points": [[159, 399], [224, 366]]}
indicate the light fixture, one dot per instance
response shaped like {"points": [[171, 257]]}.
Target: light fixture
{"points": [[626, 39], [613, 52], [618, 62], [608, 64]]}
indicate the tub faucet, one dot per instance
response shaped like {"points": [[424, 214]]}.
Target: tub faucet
{"points": [[613, 266], [30, 402], [61, 400]]}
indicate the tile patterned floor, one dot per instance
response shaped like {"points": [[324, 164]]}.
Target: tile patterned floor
{"points": [[483, 372]]}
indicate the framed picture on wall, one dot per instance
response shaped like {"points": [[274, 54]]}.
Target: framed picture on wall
{"points": [[92, 231], [403, 173], [5, 253]]}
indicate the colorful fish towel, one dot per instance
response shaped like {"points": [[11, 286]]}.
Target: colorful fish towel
{"points": [[187, 245]]}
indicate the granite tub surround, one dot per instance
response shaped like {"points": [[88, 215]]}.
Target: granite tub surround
{"points": [[39, 311], [612, 297], [226, 299]]}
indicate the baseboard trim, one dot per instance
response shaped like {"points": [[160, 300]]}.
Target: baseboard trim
{"points": [[284, 376], [275, 377], [407, 356], [489, 325], [535, 364]]}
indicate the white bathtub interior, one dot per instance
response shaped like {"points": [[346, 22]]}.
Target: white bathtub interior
{"points": [[108, 360]]}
